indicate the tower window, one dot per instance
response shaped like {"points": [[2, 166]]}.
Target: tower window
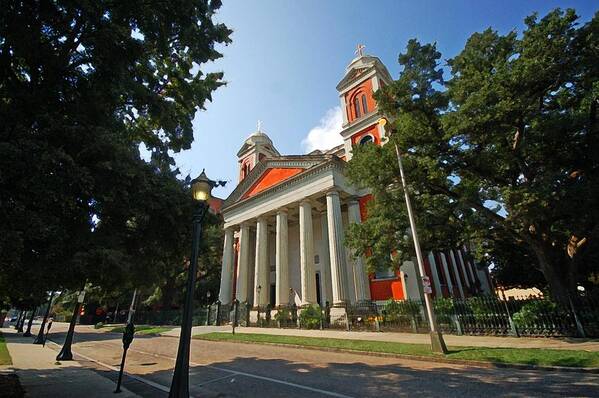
{"points": [[357, 107], [367, 139], [364, 105]]}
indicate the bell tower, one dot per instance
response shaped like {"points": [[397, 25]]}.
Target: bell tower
{"points": [[363, 77], [256, 147]]}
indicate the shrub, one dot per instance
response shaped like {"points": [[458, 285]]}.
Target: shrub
{"points": [[482, 307], [310, 317], [99, 325], [443, 309], [532, 312], [282, 315], [393, 310]]}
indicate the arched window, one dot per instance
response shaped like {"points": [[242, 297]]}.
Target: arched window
{"points": [[357, 107], [364, 105], [367, 139]]}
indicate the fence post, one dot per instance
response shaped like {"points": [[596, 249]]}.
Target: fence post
{"points": [[458, 325], [217, 320], [327, 314], [235, 313], [267, 315], [294, 315], [347, 326], [207, 315], [248, 309]]}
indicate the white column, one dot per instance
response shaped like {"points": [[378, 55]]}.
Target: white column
{"points": [[433, 264], [243, 261], [457, 275], [336, 249], [325, 265], [226, 273], [458, 260], [468, 268], [261, 271], [282, 259], [360, 277], [447, 274], [308, 277]]}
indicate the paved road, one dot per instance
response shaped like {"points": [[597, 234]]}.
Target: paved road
{"points": [[241, 370]]}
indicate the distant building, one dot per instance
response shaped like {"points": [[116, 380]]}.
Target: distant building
{"points": [[286, 219]]}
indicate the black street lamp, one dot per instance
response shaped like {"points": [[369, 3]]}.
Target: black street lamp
{"points": [[201, 188]]}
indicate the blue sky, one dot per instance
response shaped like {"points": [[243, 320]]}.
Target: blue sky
{"points": [[287, 57]]}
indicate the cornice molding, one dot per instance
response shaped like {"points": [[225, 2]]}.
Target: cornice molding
{"points": [[352, 128]]}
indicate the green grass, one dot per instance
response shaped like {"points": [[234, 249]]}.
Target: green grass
{"points": [[4, 355], [528, 356], [142, 329]]}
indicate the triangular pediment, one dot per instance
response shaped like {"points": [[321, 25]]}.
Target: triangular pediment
{"points": [[272, 172]]}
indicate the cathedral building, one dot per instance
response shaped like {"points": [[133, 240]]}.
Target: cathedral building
{"points": [[286, 219]]}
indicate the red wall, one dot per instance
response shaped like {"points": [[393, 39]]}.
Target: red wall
{"points": [[364, 88], [370, 130], [385, 289]]}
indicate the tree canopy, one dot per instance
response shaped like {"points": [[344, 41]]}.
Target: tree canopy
{"points": [[501, 152], [82, 85]]}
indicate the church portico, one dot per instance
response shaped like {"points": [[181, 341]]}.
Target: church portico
{"points": [[295, 252]]}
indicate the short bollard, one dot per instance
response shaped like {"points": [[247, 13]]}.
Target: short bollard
{"points": [[127, 339]]}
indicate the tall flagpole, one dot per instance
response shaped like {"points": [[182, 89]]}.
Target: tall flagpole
{"points": [[437, 342]]}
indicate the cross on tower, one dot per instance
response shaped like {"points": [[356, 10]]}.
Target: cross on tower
{"points": [[360, 50], [259, 125]]}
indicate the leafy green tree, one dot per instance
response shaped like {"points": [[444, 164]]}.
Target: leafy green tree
{"points": [[503, 154], [82, 85]]}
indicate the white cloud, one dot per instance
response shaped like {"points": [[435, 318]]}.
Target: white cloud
{"points": [[326, 134]]}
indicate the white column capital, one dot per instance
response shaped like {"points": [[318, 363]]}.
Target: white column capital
{"points": [[353, 200], [332, 192], [305, 201]]}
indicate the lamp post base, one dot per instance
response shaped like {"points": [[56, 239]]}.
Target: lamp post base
{"points": [[437, 343]]}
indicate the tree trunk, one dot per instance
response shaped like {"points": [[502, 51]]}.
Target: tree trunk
{"points": [[557, 274]]}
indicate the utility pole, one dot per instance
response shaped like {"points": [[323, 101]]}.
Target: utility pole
{"points": [[437, 342]]}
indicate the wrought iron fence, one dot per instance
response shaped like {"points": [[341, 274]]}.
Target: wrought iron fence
{"points": [[474, 316]]}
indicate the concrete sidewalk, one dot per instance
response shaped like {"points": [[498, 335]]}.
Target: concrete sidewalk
{"points": [[41, 376], [415, 338]]}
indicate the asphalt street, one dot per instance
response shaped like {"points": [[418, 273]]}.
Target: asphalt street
{"points": [[221, 369]]}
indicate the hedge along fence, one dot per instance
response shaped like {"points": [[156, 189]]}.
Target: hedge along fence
{"points": [[491, 316]]}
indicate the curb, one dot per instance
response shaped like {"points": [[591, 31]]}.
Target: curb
{"points": [[481, 364]]}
